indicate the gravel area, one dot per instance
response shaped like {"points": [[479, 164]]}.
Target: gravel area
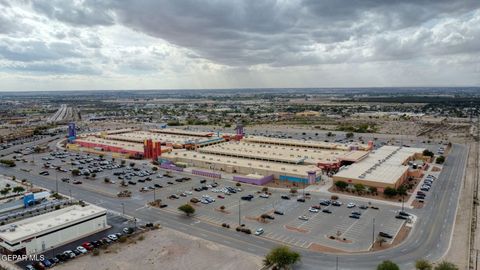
{"points": [[166, 249]]}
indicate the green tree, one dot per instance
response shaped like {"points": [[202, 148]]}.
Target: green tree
{"points": [[446, 266], [440, 160], [154, 169], [293, 190], [341, 185], [8, 162], [75, 172], [389, 192], [402, 190], [423, 265], [388, 265], [18, 189], [187, 209], [359, 187], [4, 191], [373, 189], [122, 162], [349, 135], [282, 257], [428, 153]]}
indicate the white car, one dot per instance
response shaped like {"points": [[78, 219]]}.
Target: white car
{"points": [[259, 231], [350, 205], [264, 195], [313, 210], [112, 237], [82, 249], [303, 218], [188, 192]]}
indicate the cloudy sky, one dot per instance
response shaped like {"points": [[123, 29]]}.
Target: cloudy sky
{"points": [[160, 44]]}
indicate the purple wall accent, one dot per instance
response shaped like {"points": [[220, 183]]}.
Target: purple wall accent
{"points": [[254, 181], [171, 167], [207, 174]]}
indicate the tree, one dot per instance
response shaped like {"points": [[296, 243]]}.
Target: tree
{"points": [[265, 189], [18, 189], [359, 187], [122, 162], [389, 192], [132, 164], [428, 153], [373, 189], [187, 209], [4, 191], [75, 172], [94, 175], [423, 265], [402, 190], [106, 180], [440, 160], [349, 135], [154, 169], [446, 266], [387, 265], [282, 257], [341, 185], [293, 190]]}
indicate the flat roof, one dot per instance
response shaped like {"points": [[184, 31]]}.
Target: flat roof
{"points": [[182, 132], [141, 136], [243, 162], [305, 143], [129, 146], [30, 227], [281, 153], [383, 165]]}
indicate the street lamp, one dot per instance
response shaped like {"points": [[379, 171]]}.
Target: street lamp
{"points": [[154, 195], [373, 233], [123, 209], [239, 222], [56, 181]]}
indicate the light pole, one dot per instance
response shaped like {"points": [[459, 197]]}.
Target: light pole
{"points": [[373, 233], [239, 222], [70, 192], [56, 181], [403, 200], [123, 209], [336, 263], [154, 195]]}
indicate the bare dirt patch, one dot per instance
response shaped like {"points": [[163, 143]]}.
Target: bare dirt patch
{"points": [[167, 249]]}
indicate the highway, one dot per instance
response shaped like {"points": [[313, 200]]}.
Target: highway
{"points": [[429, 239]]}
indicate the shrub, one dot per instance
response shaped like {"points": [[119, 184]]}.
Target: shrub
{"points": [[95, 252], [238, 184], [141, 238], [341, 185], [122, 239]]}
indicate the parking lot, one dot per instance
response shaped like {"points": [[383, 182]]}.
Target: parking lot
{"points": [[350, 234]]}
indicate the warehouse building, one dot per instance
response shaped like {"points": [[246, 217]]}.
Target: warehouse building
{"points": [[40, 233], [308, 144], [384, 167]]}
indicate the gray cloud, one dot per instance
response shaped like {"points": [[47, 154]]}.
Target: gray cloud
{"points": [[35, 50]]}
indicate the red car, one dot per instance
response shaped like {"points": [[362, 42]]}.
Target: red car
{"points": [[221, 196], [316, 207], [87, 246]]}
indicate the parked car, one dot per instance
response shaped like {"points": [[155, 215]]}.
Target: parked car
{"points": [[350, 205], [313, 210], [285, 197], [303, 218], [385, 235], [326, 210], [277, 212], [259, 231], [82, 249]]}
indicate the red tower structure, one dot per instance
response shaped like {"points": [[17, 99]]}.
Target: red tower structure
{"points": [[152, 149]]}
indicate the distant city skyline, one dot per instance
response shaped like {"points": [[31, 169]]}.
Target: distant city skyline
{"points": [[105, 45]]}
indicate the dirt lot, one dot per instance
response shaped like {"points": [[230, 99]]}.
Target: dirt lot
{"points": [[166, 249]]}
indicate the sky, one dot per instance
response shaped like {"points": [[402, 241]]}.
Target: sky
{"points": [[190, 44]]}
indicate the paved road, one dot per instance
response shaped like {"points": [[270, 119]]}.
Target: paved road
{"points": [[429, 239]]}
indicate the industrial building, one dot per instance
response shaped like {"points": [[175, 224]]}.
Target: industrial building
{"points": [[384, 167], [46, 231]]}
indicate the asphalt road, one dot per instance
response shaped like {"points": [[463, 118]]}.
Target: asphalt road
{"points": [[429, 239]]}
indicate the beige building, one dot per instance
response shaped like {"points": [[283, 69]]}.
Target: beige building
{"points": [[384, 167]]}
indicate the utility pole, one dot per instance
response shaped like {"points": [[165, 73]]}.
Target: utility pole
{"points": [[239, 216], [56, 181], [373, 233]]}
